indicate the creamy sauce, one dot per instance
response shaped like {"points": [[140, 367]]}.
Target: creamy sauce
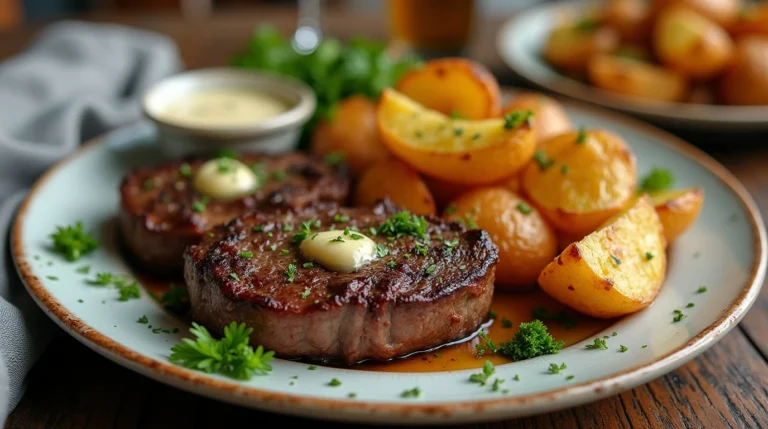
{"points": [[223, 107], [338, 251], [225, 178]]}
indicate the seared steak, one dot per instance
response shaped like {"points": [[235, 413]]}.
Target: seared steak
{"points": [[426, 291], [161, 212]]}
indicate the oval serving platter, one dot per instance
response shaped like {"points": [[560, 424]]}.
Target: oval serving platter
{"points": [[521, 40], [725, 250]]}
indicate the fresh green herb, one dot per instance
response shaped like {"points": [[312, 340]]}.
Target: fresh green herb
{"points": [[570, 377], [542, 160], [430, 269], [232, 355], [506, 323], [157, 330], [516, 377], [85, 269], [437, 355], [648, 256], [279, 175], [524, 208], [246, 255], [338, 217], [308, 265], [185, 170], [128, 291], [458, 131], [200, 205], [352, 395], [614, 333], [52, 278], [335, 158], [690, 305], [582, 137], [305, 293], [273, 247], [355, 236], [234, 277], [373, 230], [102, 279], [73, 242], [530, 341], [492, 314], [176, 299], [616, 260], [290, 273], [450, 245], [701, 289], [226, 153], [515, 119], [644, 346], [678, 316], [421, 249], [564, 169], [623, 348], [392, 264], [336, 240], [476, 136], [555, 369], [143, 320], [411, 393], [462, 267], [404, 223], [334, 382], [658, 179], [305, 230], [258, 228], [456, 115], [482, 378], [287, 227], [598, 344], [497, 384], [561, 317], [284, 252], [450, 210], [311, 367], [381, 250]]}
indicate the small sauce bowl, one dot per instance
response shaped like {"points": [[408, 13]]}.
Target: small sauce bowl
{"points": [[273, 134]]}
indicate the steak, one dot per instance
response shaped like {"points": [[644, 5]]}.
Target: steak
{"points": [[414, 298], [161, 212]]}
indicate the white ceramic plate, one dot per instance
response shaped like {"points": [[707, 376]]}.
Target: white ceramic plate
{"points": [[724, 250], [520, 42]]}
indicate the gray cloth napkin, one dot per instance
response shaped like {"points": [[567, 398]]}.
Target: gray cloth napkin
{"points": [[75, 81]]}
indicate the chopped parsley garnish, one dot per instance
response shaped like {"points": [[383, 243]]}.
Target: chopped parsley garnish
{"points": [[560, 317], [234, 277], [73, 242], [290, 273], [334, 382], [176, 299], [462, 267], [648, 256], [450, 210], [616, 260], [517, 118], [598, 344], [555, 369], [457, 115], [570, 377], [311, 367], [287, 227], [308, 265], [701, 289], [411, 393], [458, 131], [355, 236], [305, 293], [657, 180], [284, 252], [516, 377], [482, 378], [102, 279], [335, 158], [352, 395], [492, 314], [430, 269], [476, 136], [564, 169], [336, 240], [305, 230], [185, 170], [497, 384], [51, 277], [200, 205], [273, 247], [614, 333], [524, 208], [678, 316], [623, 348], [143, 320], [246, 255], [582, 137], [127, 290], [381, 250], [225, 153], [258, 228], [338, 217], [404, 223], [644, 346], [530, 341], [506, 323], [392, 264], [85, 269], [450, 245], [421, 249], [232, 355], [279, 175], [690, 305], [542, 160]]}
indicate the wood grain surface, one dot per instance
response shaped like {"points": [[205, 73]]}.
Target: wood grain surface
{"points": [[73, 387]]}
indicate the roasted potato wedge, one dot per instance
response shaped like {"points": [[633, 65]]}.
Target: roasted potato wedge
{"points": [[746, 82], [677, 209], [396, 180], [570, 47], [631, 18], [635, 78], [614, 271], [453, 86], [455, 150], [526, 242], [550, 118], [753, 20], [580, 179], [691, 43], [445, 192], [352, 132], [722, 12]]}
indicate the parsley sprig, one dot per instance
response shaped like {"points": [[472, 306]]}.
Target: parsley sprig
{"points": [[404, 223], [658, 179], [530, 341], [73, 242]]}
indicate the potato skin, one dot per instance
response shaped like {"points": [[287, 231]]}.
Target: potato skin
{"points": [[526, 242], [352, 131], [396, 180], [746, 82], [635, 78], [631, 18], [445, 192], [722, 12], [570, 48], [677, 209], [691, 43], [454, 85], [754, 20], [616, 270], [550, 118], [598, 180]]}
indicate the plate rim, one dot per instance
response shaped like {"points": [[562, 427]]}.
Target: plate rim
{"points": [[414, 413], [706, 115]]}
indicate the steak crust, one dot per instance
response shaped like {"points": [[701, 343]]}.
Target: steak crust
{"points": [[397, 304], [159, 217]]}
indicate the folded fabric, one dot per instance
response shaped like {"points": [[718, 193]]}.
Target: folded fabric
{"points": [[75, 81]]}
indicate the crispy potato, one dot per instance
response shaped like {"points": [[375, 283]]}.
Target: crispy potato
{"points": [[454, 86], [445, 192], [454, 150], [635, 78], [526, 242], [691, 43], [753, 20], [746, 82], [351, 131], [632, 18], [722, 12], [394, 179], [580, 180], [550, 118], [677, 209], [613, 271], [570, 47]]}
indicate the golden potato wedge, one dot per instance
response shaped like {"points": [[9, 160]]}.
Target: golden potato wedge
{"points": [[526, 242], [455, 150], [614, 271], [722, 12], [453, 86], [445, 192], [746, 82], [580, 179], [351, 131], [677, 209], [631, 18], [691, 43], [752, 20], [635, 78], [550, 118], [570, 47], [394, 179]]}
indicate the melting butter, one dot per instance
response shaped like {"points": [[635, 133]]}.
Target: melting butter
{"points": [[223, 107], [225, 178], [338, 251]]}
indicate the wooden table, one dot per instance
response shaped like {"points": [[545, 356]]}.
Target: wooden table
{"points": [[72, 387]]}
